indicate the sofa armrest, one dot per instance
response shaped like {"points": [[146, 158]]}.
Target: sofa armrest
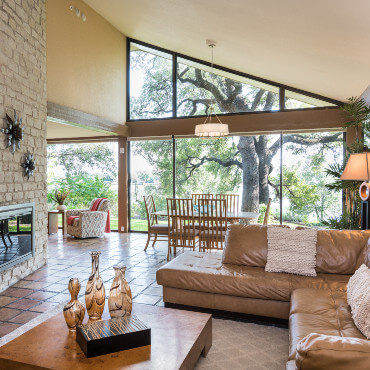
{"points": [[75, 212], [329, 352]]}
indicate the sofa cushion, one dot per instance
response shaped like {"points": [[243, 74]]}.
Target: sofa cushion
{"points": [[319, 351], [291, 251], [318, 311], [246, 245], [205, 272], [358, 298], [338, 251]]}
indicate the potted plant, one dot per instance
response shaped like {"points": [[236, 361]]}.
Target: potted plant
{"points": [[358, 115], [60, 197]]}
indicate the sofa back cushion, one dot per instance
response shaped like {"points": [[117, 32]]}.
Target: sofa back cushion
{"points": [[246, 245], [341, 251], [338, 251]]}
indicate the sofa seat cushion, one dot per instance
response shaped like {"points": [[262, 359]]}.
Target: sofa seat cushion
{"points": [[321, 311], [204, 272]]}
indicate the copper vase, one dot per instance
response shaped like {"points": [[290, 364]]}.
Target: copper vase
{"points": [[95, 292], [120, 298], [74, 310]]}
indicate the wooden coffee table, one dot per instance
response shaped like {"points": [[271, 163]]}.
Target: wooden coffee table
{"points": [[178, 339]]}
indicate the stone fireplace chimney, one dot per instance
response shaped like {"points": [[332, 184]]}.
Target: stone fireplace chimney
{"points": [[23, 88]]}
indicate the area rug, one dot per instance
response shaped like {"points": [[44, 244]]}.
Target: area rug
{"points": [[242, 345]]}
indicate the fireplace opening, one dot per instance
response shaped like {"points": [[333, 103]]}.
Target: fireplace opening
{"points": [[16, 234]]}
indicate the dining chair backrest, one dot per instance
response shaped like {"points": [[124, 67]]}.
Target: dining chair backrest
{"points": [[212, 223], [232, 201], [267, 213], [150, 209], [196, 197], [181, 222]]}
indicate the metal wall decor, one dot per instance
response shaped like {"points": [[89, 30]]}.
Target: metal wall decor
{"points": [[14, 132], [28, 165]]}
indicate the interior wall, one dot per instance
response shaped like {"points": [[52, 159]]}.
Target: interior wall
{"points": [[86, 61]]}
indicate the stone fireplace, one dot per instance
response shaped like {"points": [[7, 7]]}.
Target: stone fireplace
{"points": [[23, 88], [17, 237]]}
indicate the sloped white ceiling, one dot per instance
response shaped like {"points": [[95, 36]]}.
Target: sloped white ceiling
{"points": [[322, 46]]}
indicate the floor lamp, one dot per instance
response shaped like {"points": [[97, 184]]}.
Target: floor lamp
{"points": [[358, 168]]}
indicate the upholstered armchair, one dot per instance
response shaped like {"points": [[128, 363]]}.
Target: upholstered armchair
{"points": [[88, 223]]}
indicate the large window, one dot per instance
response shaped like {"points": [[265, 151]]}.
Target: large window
{"points": [[198, 87], [295, 100], [166, 84], [150, 174], [87, 171], [150, 83], [306, 199], [288, 168]]}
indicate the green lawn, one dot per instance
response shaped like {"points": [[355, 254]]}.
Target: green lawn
{"points": [[136, 225]]}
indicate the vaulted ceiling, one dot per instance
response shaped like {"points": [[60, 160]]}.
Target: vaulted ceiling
{"points": [[322, 46]]}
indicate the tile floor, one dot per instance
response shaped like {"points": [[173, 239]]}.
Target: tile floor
{"points": [[67, 257]]}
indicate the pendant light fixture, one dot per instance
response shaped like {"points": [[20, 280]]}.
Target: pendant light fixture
{"points": [[209, 128]]}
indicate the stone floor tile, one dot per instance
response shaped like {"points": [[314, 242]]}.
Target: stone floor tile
{"points": [[23, 304], [44, 306], [4, 300], [8, 327], [17, 292], [8, 313], [24, 317]]}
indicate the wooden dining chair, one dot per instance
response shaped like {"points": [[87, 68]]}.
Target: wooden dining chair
{"points": [[212, 223], [181, 225], [267, 213], [232, 201], [155, 229], [196, 197]]}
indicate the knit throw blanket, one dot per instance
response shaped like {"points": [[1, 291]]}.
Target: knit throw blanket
{"points": [[292, 251]]}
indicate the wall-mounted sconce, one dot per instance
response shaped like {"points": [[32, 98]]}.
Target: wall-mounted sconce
{"points": [[78, 13]]}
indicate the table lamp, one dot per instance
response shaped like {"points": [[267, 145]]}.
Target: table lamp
{"points": [[358, 168]]}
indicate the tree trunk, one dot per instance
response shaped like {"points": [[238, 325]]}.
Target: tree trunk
{"points": [[250, 165], [264, 168]]}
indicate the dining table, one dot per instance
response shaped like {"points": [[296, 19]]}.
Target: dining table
{"points": [[231, 216]]}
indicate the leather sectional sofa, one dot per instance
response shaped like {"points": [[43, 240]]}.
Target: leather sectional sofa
{"points": [[322, 332]]}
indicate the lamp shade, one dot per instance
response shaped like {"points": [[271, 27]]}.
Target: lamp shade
{"points": [[357, 167], [211, 130]]}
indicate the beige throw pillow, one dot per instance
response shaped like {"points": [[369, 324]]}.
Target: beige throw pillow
{"points": [[358, 298], [291, 251]]}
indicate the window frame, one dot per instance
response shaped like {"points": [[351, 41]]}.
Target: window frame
{"points": [[175, 56]]}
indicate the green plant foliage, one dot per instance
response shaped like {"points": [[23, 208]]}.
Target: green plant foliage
{"points": [[83, 189], [351, 217], [358, 112], [60, 196]]}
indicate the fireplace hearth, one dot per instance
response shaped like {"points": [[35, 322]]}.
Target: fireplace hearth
{"points": [[16, 234]]}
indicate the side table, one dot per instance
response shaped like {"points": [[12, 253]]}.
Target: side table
{"points": [[53, 221]]}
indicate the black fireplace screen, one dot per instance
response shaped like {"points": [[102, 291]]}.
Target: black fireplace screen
{"points": [[15, 235]]}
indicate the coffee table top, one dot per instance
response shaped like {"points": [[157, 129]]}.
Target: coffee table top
{"points": [[175, 333]]}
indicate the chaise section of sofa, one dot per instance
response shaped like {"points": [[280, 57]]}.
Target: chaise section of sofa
{"points": [[322, 333]]}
